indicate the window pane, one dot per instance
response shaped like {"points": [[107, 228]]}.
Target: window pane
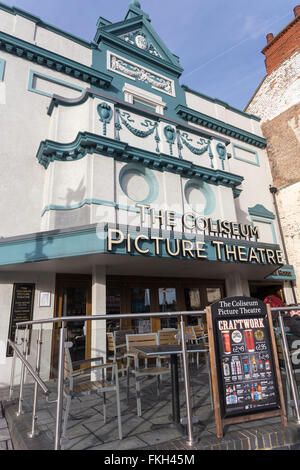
{"points": [[113, 307], [192, 302], [213, 294], [167, 303], [140, 303]]}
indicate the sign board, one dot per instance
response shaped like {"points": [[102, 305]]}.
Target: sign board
{"points": [[21, 309], [244, 363]]}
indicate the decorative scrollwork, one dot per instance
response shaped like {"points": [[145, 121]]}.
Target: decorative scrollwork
{"points": [[117, 64], [184, 139], [125, 119], [105, 113]]}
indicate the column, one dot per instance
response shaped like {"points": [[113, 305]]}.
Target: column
{"points": [[98, 327]]}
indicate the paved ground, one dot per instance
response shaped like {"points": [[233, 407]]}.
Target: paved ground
{"points": [[5, 440], [86, 430]]}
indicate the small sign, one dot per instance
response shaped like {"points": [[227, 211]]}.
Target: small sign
{"points": [[245, 370], [21, 309], [45, 299]]}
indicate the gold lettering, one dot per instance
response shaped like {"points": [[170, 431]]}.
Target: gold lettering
{"points": [[261, 251], [200, 251], [136, 246], [185, 221], [270, 256], [252, 255], [241, 253], [142, 208], [279, 256], [172, 253], [170, 219], [187, 250], [229, 252], [111, 241], [157, 247], [218, 248], [202, 220], [253, 232]]}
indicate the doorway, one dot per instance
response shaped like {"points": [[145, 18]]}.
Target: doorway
{"points": [[72, 298], [146, 294]]}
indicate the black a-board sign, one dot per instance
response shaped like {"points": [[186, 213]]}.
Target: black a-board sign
{"points": [[244, 363], [21, 309]]}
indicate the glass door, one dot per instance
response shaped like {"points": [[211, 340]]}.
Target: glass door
{"points": [[73, 298]]}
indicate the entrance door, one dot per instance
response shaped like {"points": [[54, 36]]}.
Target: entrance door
{"points": [[73, 298]]}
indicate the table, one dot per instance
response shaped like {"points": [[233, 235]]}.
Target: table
{"points": [[173, 351]]}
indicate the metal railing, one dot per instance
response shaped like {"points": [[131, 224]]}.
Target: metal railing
{"points": [[59, 441]]}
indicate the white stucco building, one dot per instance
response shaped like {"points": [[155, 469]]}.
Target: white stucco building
{"points": [[122, 190]]}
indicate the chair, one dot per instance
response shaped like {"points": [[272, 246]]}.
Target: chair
{"points": [[168, 336], [132, 341], [77, 389], [116, 346]]}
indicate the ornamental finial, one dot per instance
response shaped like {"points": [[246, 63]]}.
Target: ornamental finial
{"points": [[135, 3]]}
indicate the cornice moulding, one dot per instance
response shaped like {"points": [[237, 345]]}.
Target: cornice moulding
{"points": [[28, 51], [87, 143], [209, 122]]}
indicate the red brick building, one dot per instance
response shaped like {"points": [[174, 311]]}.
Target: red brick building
{"points": [[277, 102]]}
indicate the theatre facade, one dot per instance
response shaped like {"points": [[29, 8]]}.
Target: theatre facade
{"points": [[123, 190]]}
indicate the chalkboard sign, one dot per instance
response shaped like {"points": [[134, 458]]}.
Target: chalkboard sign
{"points": [[21, 309], [245, 370]]}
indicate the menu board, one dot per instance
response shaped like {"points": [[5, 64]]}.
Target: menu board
{"points": [[244, 357], [21, 309]]}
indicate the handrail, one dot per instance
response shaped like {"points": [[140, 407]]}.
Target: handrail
{"points": [[134, 315], [112, 317], [29, 368], [59, 439]]}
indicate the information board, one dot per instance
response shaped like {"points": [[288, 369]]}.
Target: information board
{"points": [[244, 360], [21, 309]]}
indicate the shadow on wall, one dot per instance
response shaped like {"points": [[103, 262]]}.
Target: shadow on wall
{"points": [[75, 196], [37, 254]]}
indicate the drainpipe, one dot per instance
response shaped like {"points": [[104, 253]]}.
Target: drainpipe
{"points": [[273, 191]]}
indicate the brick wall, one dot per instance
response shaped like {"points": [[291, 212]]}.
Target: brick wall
{"points": [[283, 45], [283, 136], [288, 204]]}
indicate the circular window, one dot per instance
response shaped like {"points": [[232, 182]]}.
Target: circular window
{"points": [[138, 183], [200, 196]]}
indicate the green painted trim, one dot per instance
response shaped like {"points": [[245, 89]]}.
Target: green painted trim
{"points": [[86, 202], [260, 211], [208, 193], [34, 73], [36, 54], [171, 66], [42, 24], [149, 178], [235, 146], [2, 69], [268, 222], [283, 277], [220, 126], [87, 143], [61, 101], [91, 240], [222, 103]]}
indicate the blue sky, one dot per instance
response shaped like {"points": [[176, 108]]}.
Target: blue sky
{"points": [[219, 42]]}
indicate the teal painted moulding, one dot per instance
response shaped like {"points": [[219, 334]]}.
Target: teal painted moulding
{"points": [[260, 211], [41, 56], [209, 122], [90, 240], [87, 143]]}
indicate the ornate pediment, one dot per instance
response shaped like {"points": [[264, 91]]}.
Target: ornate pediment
{"points": [[136, 35], [139, 39]]}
